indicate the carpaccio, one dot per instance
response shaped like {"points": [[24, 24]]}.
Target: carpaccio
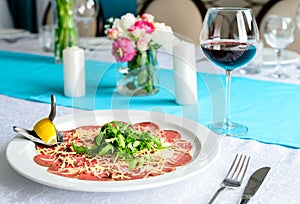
{"points": [[62, 159]]}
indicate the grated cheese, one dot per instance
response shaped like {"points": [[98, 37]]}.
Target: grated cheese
{"points": [[148, 163]]}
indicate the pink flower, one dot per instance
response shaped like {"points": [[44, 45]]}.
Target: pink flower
{"points": [[147, 17], [113, 33], [142, 25], [123, 49]]}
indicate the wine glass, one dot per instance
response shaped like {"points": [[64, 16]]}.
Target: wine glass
{"points": [[229, 38], [297, 17], [279, 32], [86, 11], [297, 20]]}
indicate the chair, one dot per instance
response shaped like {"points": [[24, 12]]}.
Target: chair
{"points": [[184, 16], [284, 8], [5, 16]]}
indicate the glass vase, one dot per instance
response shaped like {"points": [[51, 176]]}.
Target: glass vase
{"points": [[140, 76], [65, 29]]}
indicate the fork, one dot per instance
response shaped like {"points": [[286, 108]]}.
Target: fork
{"points": [[235, 175]]}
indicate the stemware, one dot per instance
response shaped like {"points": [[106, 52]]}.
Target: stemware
{"points": [[297, 21], [297, 17], [279, 32], [229, 38], [86, 11]]}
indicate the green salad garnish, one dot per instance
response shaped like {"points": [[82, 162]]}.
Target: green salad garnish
{"points": [[120, 139]]}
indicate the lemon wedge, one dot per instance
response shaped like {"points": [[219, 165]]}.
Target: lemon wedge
{"points": [[45, 129]]}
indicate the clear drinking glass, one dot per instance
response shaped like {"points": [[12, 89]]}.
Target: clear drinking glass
{"points": [[46, 38], [297, 20], [279, 32], [229, 38], [86, 11], [297, 17]]}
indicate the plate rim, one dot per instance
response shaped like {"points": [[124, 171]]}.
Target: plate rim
{"points": [[103, 44], [202, 161], [283, 62], [14, 33]]}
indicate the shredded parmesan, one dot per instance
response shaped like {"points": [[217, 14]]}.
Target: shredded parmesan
{"points": [[110, 167]]}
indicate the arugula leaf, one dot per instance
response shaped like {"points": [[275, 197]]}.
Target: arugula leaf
{"points": [[106, 150], [99, 139], [121, 139], [79, 149]]}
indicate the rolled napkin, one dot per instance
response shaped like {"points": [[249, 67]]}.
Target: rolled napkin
{"points": [[74, 72], [185, 74]]}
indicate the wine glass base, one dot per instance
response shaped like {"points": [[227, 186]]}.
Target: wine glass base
{"points": [[246, 70], [278, 75], [234, 129]]}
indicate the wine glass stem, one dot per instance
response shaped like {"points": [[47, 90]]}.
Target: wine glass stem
{"points": [[227, 119], [278, 56], [86, 31]]}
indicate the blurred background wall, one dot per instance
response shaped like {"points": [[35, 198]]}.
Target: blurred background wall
{"points": [[29, 14]]}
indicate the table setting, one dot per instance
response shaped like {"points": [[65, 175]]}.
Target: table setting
{"points": [[11, 34], [191, 98]]}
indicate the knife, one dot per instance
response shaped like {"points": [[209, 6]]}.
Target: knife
{"points": [[254, 183]]}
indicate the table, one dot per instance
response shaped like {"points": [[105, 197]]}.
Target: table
{"points": [[282, 185]]}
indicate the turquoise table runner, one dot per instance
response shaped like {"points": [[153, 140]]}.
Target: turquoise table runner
{"points": [[270, 110]]}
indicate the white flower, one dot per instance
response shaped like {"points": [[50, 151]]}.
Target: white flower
{"points": [[124, 23], [164, 36], [144, 32], [162, 27]]}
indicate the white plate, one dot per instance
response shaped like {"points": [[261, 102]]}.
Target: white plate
{"points": [[12, 33], [288, 57], [96, 43], [20, 151]]}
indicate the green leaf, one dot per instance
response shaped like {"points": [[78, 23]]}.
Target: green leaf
{"points": [[99, 139], [106, 150], [79, 149], [142, 77], [155, 140], [135, 163], [93, 151], [124, 155], [121, 140], [132, 164], [136, 143]]}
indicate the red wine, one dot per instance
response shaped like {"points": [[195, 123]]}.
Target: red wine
{"points": [[229, 55]]}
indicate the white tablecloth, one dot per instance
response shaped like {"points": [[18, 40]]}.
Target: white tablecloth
{"points": [[282, 184]]}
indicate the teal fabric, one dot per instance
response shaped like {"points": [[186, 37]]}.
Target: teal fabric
{"points": [[24, 14], [269, 109], [117, 8]]}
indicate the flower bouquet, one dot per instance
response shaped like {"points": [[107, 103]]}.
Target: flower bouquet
{"points": [[136, 40]]}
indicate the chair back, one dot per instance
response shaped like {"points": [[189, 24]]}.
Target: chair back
{"points": [[283, 8], [184, 16]]}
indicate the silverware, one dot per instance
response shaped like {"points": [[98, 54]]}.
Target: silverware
{"points": [[235, 175], [33, 136], [254, 183], [13, 40]]}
